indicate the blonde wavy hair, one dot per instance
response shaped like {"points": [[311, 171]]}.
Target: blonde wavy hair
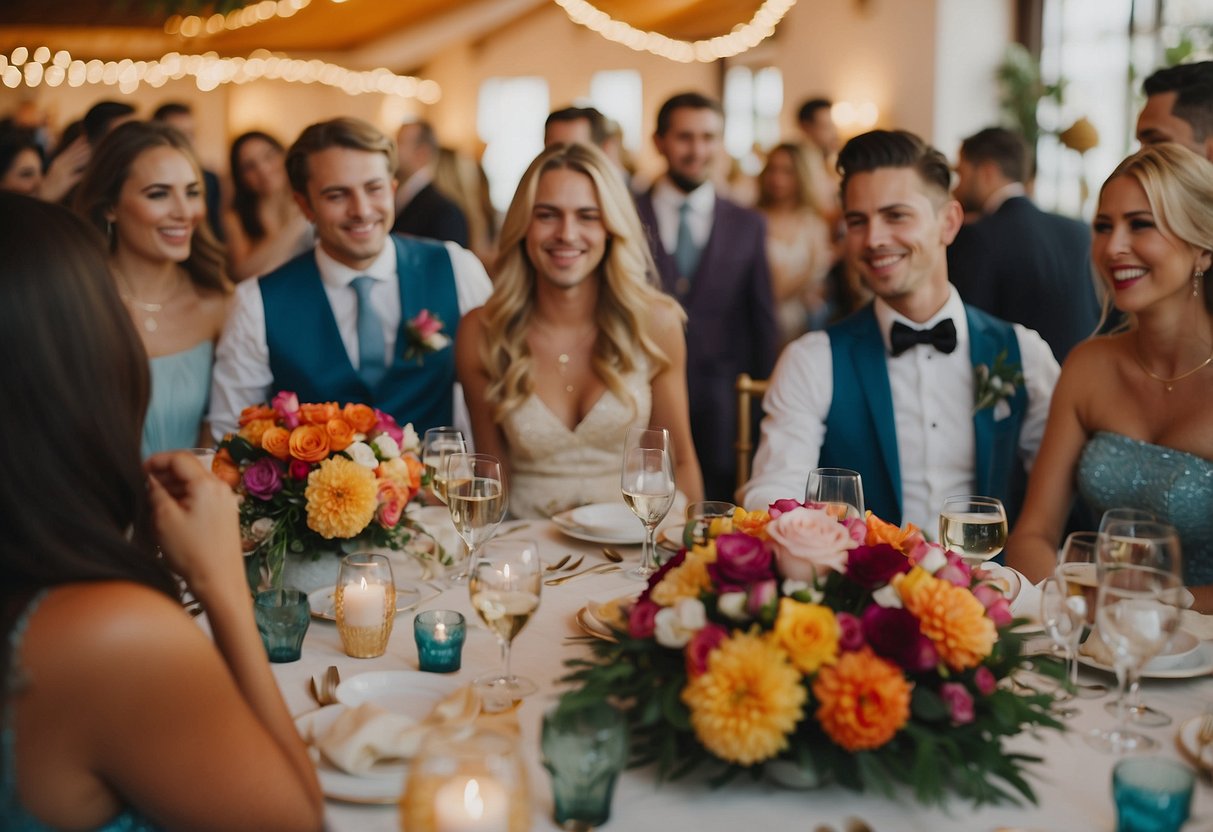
{"points": [[628, 296]]}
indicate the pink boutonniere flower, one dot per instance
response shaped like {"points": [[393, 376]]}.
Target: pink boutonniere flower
{"points": [[425, 335]]}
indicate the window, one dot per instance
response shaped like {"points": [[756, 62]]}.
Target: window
{"points": [[619, 95], [509, 120], [752, 101]]}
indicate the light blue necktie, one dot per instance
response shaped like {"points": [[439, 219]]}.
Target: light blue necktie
{"points": [[686, 253], [371, 350]]}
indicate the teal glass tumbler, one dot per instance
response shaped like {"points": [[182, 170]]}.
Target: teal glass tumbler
{"points": [[1152, 794], [282, 618], [439, 635], [584, 749]]}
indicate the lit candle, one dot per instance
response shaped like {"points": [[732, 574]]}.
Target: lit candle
{"points": [[473, 804], [440, 633], [364, 603]]}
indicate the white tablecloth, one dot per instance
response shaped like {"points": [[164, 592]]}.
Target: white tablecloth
{"points": [[1073, 785]]}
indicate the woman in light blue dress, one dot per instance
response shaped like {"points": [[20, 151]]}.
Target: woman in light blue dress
{"points": [[144, 188], [1129, 423]]}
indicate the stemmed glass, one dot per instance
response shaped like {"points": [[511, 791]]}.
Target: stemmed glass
{"points": [[976, 527], [1063, 616], [1137, 612], [1076, 569], [504, 586], [437, 445], [841, 491], [647, 482], [476, 497]]}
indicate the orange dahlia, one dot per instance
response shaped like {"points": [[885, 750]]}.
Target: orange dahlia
{"points": [[753, 523], [341, 498], [900, 539], [747, 702], [808, 632], [863, 700], [950, 616]]}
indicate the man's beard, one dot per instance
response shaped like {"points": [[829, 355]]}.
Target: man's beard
{"points": [[683, 183]]}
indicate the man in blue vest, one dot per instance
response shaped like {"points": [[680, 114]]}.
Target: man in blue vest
{"points": [[895, 391], [334, 323]]}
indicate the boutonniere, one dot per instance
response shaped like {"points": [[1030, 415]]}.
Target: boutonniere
{"points": [[424, 335], [993, 386]]}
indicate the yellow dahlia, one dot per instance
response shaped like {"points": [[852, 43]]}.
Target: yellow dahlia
{"points": [[950, 616], [808, 632], [753, 523], [863, 700], [687, 579], [747, 702], [341, 498]]}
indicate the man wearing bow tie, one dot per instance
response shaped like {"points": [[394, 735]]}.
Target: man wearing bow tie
{"points": [[890, 391]]}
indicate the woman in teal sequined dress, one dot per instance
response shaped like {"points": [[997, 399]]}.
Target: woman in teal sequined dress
{"points": [[144, 189], [1129, 424], [117, 712]]}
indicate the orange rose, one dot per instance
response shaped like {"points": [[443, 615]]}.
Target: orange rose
{"points": [[318, 414], [903, 540], [341, 434], [405, 471], [224, 467], [258, 411], [416, 469], [254, 430], [309, 443], [361, 416], [277, 441]]}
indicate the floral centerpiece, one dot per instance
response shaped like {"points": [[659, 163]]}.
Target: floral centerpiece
{"points": [[317, 477], [849, 649]]}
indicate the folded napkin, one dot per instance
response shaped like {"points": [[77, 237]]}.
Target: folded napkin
{"points": [[1023, 598]]}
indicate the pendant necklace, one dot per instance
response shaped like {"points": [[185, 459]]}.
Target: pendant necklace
{"points": [[564, 358], [149, 323], [1168, 383]]}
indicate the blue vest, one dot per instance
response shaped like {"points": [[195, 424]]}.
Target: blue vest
{"points": [[860, 432], [308, 356]]}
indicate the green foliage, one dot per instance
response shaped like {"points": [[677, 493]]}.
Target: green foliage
{"points": [[1022, 90]]}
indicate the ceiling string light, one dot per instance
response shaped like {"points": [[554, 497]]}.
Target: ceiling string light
{"points": [[193, 26], [23, 67], [745, 36]]}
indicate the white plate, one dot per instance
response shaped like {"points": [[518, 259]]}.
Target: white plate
{"points": [[1178, 652], [1198, 663], [407, 692], [382, 785], [321, 601], [601, 523], [1186, 740]]}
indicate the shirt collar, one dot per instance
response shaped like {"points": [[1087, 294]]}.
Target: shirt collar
{"points": [[995, 200], [952, 308], [338, 275], [702, 200]]}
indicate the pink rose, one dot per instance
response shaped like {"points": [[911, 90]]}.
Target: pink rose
{"points": [[809, 542], [286, 405], [959, 701], [392, 500], [761, 596], [957, 572], [740, 560], [642, 620], [996, 604], [983, 679], [701, 645], [782, 507], [850, 631], [426, 324]]}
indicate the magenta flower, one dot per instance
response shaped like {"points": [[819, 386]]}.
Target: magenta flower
{"points": [[300, 469], [740, 561], [263, 479], [874, 566], [996, 604], [761, 595], [780, 506], [286, 405], [657, 576], [894, 634], [387, 424], [850, 631], [959, 701], [641, 620], [957, 572], [984, 681], [701, 645]]}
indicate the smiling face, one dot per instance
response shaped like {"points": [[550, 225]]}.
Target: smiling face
{"points": [[566, 239], [349, 198], [1157, 124], [690, 145], [24, 175], [159, 206]]}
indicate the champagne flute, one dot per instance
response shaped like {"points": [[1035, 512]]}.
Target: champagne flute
{"points": [[976, 527], [647, 483], [1063, 616], [476, 497], [436, 447], [1076, 569], [504, 586], [1137, 612], [839, 489]]}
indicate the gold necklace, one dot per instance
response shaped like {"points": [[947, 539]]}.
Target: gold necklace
{"points": [[1168, 383], [564, 358], [149, 323]]}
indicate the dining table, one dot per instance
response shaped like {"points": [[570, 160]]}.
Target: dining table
{"points": [[1072, 783]]}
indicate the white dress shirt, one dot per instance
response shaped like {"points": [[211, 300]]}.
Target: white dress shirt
{"points": [[667, 203], [242, 374], [932, 414]]}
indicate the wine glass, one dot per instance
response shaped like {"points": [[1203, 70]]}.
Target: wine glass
{"points": [[1076, 570], [436, 446], [1133, 538], [476, 497], [1063, 616], [504, 586], [976, 527], [647, 482], [841, 491], [1137, 611]]}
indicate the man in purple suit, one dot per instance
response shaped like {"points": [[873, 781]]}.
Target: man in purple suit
{"points": [[711, 254]]}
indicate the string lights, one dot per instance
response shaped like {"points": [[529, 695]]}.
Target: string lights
{"points": [[208, 71], [744, 36], [193, 26]]}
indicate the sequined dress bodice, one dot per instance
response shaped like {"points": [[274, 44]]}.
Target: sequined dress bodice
{"points": [[1116, 471]]}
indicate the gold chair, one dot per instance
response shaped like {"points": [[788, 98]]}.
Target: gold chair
{"points": [[746, 388]]}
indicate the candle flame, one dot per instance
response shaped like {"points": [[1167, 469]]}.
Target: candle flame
{"points": [[472, 801], [363, 580]]}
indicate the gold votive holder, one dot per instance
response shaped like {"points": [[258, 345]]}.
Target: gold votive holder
{"points": [[365, 603]]}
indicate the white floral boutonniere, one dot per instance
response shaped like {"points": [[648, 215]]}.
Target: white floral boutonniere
{"points": [[425, 335], [993, 386]]}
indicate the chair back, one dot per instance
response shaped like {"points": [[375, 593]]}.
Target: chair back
{"points": [[746, 388]]}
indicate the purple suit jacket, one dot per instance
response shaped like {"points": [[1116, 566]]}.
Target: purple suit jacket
{"points": [[731, 328]]}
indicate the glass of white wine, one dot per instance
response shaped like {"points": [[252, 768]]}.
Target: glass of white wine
{"points": [[504, 586], [1063, 616], [976, 527], [1076, 570], [647, 482], [476, 497], [437, 445], [839, 489]]}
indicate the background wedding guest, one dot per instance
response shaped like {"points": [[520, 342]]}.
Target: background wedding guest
{"points": [[116, 706], [422, 208], [1130, 418], [1179, 107], [23, 169], [144, 190], [265, 227], [816, 121], [575, 346], [180, 117], [463, 179]]}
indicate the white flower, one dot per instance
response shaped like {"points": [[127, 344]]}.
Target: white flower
{"points": [[888, 597], [385, 446], [363, 454], [261, 527], [934, 560], [675, 626], [732, 605], [410, 440], [436, 342]]}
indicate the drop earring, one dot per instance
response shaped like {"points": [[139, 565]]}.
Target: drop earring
{"points": [[1196, 278]]}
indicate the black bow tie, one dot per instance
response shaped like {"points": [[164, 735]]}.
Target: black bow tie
{"points": [[942, 336]]}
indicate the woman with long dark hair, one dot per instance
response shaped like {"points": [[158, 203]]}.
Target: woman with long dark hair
{"points": [[265, 227]]}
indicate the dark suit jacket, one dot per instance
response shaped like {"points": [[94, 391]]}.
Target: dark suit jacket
{"points": [[731, 329], [214, 204], [1030, 267], [430, 214]]}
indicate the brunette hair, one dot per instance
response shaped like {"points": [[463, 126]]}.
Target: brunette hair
{"points": [[805, 171], [244, 199], [1005, 148], [687, 101], [352, 133], [894, 149], [1193, 87], [107, 173]]}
